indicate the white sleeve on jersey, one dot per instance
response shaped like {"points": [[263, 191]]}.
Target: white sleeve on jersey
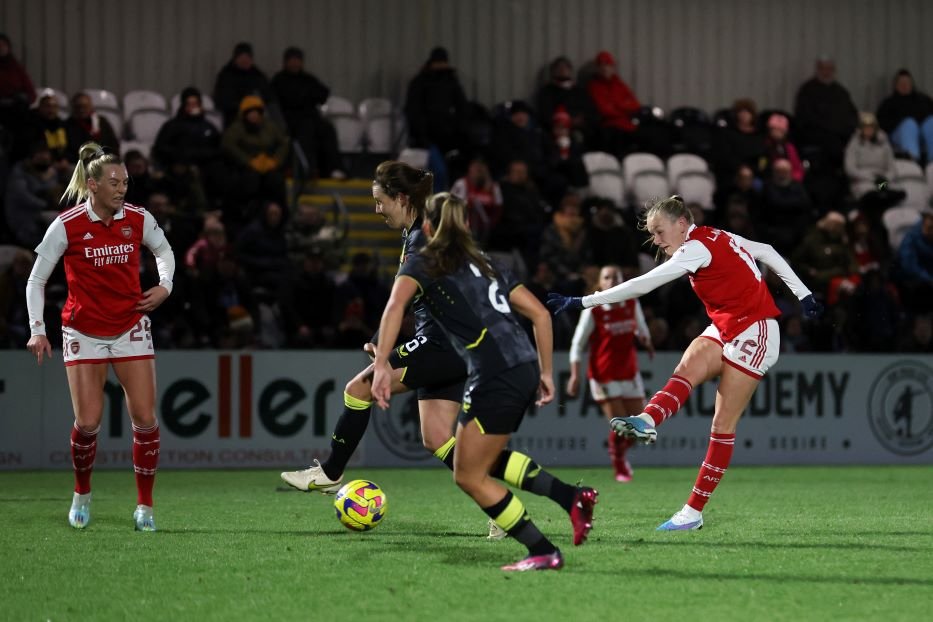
{"points": [[55, 242], [35, 293], [154, 239], [581, 335], [641, 326], [766, 254], [689, 258]]}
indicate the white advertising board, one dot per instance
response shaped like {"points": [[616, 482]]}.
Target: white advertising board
{"points": [[277, 409]]}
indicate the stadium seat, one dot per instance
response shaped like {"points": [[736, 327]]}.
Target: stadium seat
{"points": [[693, 130], [115, 118], [636, 163], [909, 178], [649, 186], [897, 220], [144, 124], [143, 147], [142, 100], [207, 102], [605, 175], [696, 187], [64, 105], [379, 124], [417, 158], [342, 113], [929, 174], [681, 163], [107, 105], [215, 118]]}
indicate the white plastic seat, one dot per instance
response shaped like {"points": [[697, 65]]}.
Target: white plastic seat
{"points": [[207, 103], [681, 163], [411, 156], [142, 100], [143, 147], [336, 105], [636, 163], [605, 174], [375, 107], [64, 105], [379, 121], [696, 187], [907, 169], [908, 176], [350, 128], [114, 118], [897, 220], [930, 174], [144, 124], [103, 99], [649, 186]]}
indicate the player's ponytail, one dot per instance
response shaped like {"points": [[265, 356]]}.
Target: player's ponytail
{"points": [[452, 243], [397, 178], [91, 161], [672, 208]]}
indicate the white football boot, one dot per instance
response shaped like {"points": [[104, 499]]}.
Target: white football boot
{"points": [[80, 513], [495, 531], [143, 518], [312, 478]]}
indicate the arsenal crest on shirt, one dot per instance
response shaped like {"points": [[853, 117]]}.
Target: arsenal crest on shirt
{"points": [[127, 231]]}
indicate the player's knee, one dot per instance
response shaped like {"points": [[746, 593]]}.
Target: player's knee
{"points": [[359, 388]]}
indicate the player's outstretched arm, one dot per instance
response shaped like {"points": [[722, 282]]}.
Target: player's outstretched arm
{"points": [[766, 254]]}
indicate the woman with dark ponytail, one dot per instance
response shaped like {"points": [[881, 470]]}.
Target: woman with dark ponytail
{"points": [[104, 321], [473, 302]]}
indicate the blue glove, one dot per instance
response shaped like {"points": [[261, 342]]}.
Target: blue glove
{"points": [[812, 309], [558, 303]]}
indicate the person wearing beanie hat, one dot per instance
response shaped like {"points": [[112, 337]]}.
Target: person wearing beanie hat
{"points": [[615, 101], [778, 146], [907, 116], [300, 96], [239, 78], [251, 102], [439, 55]]}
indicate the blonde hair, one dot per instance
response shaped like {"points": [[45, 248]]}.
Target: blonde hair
{"points": [[91, 162], [452, 243], [671, 208]]}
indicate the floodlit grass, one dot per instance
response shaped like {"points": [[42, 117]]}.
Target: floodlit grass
{"points": [[779, 544]]}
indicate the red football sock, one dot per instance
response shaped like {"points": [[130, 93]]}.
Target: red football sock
{"points": [[669, 400], [83, 452], [712, 470], [618, 445], [145, 461]]}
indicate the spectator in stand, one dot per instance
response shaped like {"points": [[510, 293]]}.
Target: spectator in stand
{"points": [[44, 123], [787, 210], [16, 89], [14, 321], [262, 250], [915, 265], [872, 312], [258, 149], [907, 116], [920, 338], [778, 146], [869, 245], [181, 228], [308, 304], [738, 218], [308, 230], [616, 104], [517, 138], [523, 212], [483, 197], [565, 246], [85, 125], [744, 186], [563, 90], [31, 189], [300, 96], [237, 79], [224, 312], [825, 113], [741, 142], [202, 258], [563, 160], [869, 165], [364, 286], [825, 258], [190, 141], [612, 242], [436, 110], [142, 184]]}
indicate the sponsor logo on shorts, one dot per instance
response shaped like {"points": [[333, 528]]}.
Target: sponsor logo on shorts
{"points": [[900, 408]]}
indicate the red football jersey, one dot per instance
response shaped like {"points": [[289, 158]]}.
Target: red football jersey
{"points": [[730, 286], [102, 270], [612, 351]]}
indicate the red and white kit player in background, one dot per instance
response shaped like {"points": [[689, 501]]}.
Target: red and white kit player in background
{"points": [[104, 321], [610, 332], [739, 346]]}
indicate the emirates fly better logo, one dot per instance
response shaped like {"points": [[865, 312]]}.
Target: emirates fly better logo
{"points": [[900, 408]]}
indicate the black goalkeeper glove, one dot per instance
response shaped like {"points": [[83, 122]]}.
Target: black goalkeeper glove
{"points": [[812, 309], [559, 303]]}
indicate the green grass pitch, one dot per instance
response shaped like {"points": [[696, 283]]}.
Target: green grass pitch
{"points": [[790, 543]]}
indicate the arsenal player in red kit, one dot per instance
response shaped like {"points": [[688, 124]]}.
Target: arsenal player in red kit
{"points": [[104, 321], [610, 332], [739, 346]]}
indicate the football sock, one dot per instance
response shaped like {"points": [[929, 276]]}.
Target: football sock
{"points": [[617, 447], [510, 514], [669, 400], [347, 434], [519, 470], [145, 461], [712, 470], [83, 452], [446, 453]]}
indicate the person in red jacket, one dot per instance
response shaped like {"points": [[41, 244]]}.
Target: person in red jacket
{"points": [[104, 321], [615, 102]]}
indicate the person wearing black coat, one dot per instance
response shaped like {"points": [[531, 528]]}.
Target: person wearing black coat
{"points": [[907, 117], [239, 78]]}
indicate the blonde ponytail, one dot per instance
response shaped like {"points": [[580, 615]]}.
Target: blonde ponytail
{"points": [[452, 243], [91, 161]]}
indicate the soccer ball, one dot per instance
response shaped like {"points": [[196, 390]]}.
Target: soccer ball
{"points": [[361, 505]]}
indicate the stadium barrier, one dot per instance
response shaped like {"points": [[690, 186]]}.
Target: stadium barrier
{"points": [[273, 409]]}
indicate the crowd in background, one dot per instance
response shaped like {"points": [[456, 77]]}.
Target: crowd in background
{"points": [[258, 270]]}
